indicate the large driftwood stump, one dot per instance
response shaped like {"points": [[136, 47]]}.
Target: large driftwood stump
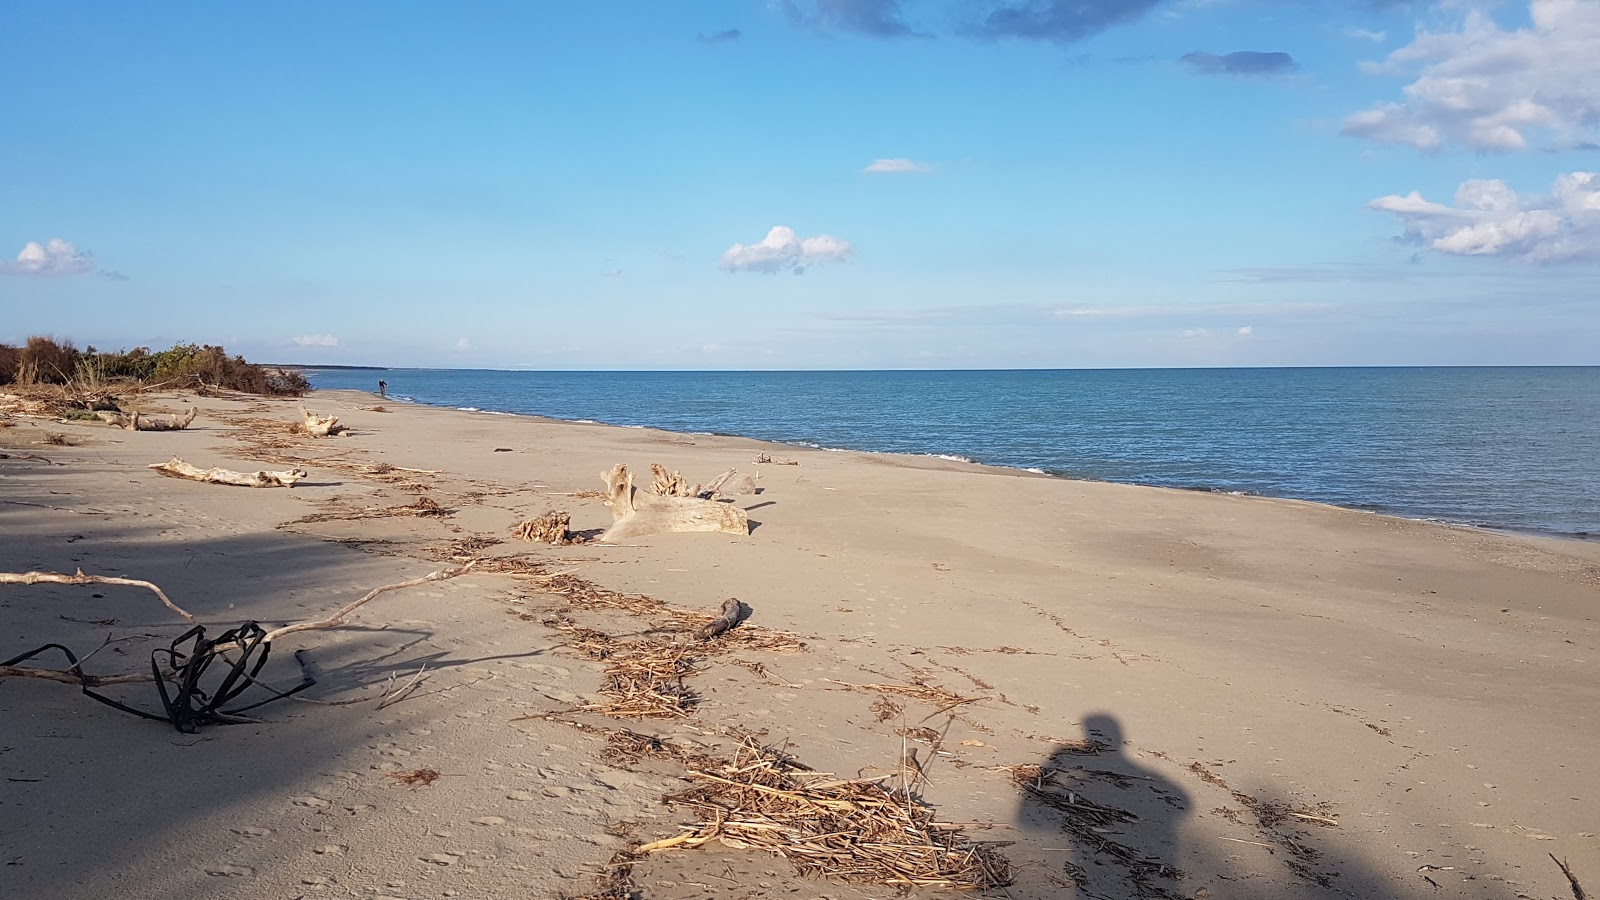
{"points": [[177, 468], [137, 422], [550, 528], [321, 426], [636, 513], [669, 484]]}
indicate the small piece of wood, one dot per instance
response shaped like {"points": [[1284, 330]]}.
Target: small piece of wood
{"points": [[731, 483], [80, 578], [732, 612], [550, 528], [636, 513], [177, 468]]}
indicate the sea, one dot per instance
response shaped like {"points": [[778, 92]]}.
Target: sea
{"points": [[1506, 448]]}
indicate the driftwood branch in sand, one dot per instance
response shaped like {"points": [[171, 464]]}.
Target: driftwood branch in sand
{"points": [[732, 614], [1577, 889], [550, 528], [731, 483], [80, 578], [320, 426], [636, 513], [67, 676], [177, 468], [136, 421], [669, 484]]}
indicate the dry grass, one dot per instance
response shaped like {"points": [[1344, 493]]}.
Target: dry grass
{"points": [[550, 528], [855, 831], [1090, 824], [57, 439], [424, 507]]}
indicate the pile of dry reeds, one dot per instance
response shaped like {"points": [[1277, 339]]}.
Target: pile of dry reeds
{"points": [[855, 830], [550, 528]]}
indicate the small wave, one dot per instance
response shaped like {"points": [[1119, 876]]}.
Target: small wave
{"points": [[468, 409], [1035, 470], [585, 421], [951, 457]]}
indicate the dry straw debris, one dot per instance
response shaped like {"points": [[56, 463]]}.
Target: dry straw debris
{"points": [[857, 830]]}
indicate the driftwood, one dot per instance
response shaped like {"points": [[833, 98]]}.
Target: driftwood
{"points": [[731, 483], [636, 513], [320, 426], [550, 528], [177, 468], [732, 614], [137, 422], [68, 677], [667, 484], [80, 578]]}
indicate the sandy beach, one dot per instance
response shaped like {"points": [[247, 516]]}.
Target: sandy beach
{"points": [[1209, 695]]}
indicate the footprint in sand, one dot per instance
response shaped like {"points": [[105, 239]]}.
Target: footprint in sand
{"points": [[250, 830], [310, 802], [489, 820], [230, 871]]}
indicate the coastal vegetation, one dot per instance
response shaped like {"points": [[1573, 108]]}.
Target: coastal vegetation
{"points": [[88, 374]]}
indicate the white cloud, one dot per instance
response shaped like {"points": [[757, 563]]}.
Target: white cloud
{"points": [[1192, 333], [463, 344], [897, 166], [1492, 89], [1247, 330], [781, 250], [1491, 219], [1362, 34], [316, 340], [53, 257]]}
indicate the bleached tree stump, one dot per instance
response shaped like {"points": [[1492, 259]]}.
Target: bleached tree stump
{"points": [[668, 484], [636, 513], [177, 468], [320, 426]]}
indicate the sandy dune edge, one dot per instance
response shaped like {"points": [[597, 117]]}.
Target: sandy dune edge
{"points": [[1250, 667]]}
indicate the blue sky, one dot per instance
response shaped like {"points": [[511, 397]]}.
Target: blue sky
{"points": [[808, 183]]}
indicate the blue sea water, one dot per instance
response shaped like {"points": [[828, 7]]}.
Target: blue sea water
{"points": [[1511, 448]]}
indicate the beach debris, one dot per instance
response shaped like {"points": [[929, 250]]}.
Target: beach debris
{"points": [[733, 612], [177, 468], [1577, 889], [766, 458], [731, 483], [413, 778], [860, 831], [319, 426], [551, 528], [637, 513], [135, 421], [669, 484], [187, 704]]}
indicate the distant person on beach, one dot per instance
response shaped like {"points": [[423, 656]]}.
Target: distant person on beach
{"points": [[383, 388]]}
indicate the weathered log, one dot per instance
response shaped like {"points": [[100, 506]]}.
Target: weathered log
{"points": [[321, 426], [550, 528], [136, 421], [731, 483], [636, 513], [177, 468], [732, 613]]}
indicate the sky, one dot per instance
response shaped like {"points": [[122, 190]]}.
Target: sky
{"points": [[807, 184]]}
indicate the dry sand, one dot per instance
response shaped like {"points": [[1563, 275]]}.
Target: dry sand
{"points": [[1293, 700]]}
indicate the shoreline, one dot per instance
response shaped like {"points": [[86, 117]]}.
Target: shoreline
{"points": [[1585, 537], [1278, 697]]}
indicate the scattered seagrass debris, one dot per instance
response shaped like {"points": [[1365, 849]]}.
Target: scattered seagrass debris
{"points": [[413, 778], [178, 669], [177, 468], [1270, 820], [585, 495], [1090, 824], [583, 592], [764, 459], [642, 679], [318, 426], [858, 831], [551, 528], [424, 507], [637, 513], [136, 421]]}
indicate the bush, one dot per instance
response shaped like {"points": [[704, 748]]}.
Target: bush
{"points": [[43, 360], [10, 360]]}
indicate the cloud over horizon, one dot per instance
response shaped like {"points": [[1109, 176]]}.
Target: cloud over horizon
{"points": [[53, 257], [1059, 21], [898, 165], [1490, 89], [315, 340], [1242, 62], [782, 250], [1491, 219]]}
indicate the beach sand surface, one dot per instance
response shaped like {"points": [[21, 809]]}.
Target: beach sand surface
{"points": [[1286, 699]]}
